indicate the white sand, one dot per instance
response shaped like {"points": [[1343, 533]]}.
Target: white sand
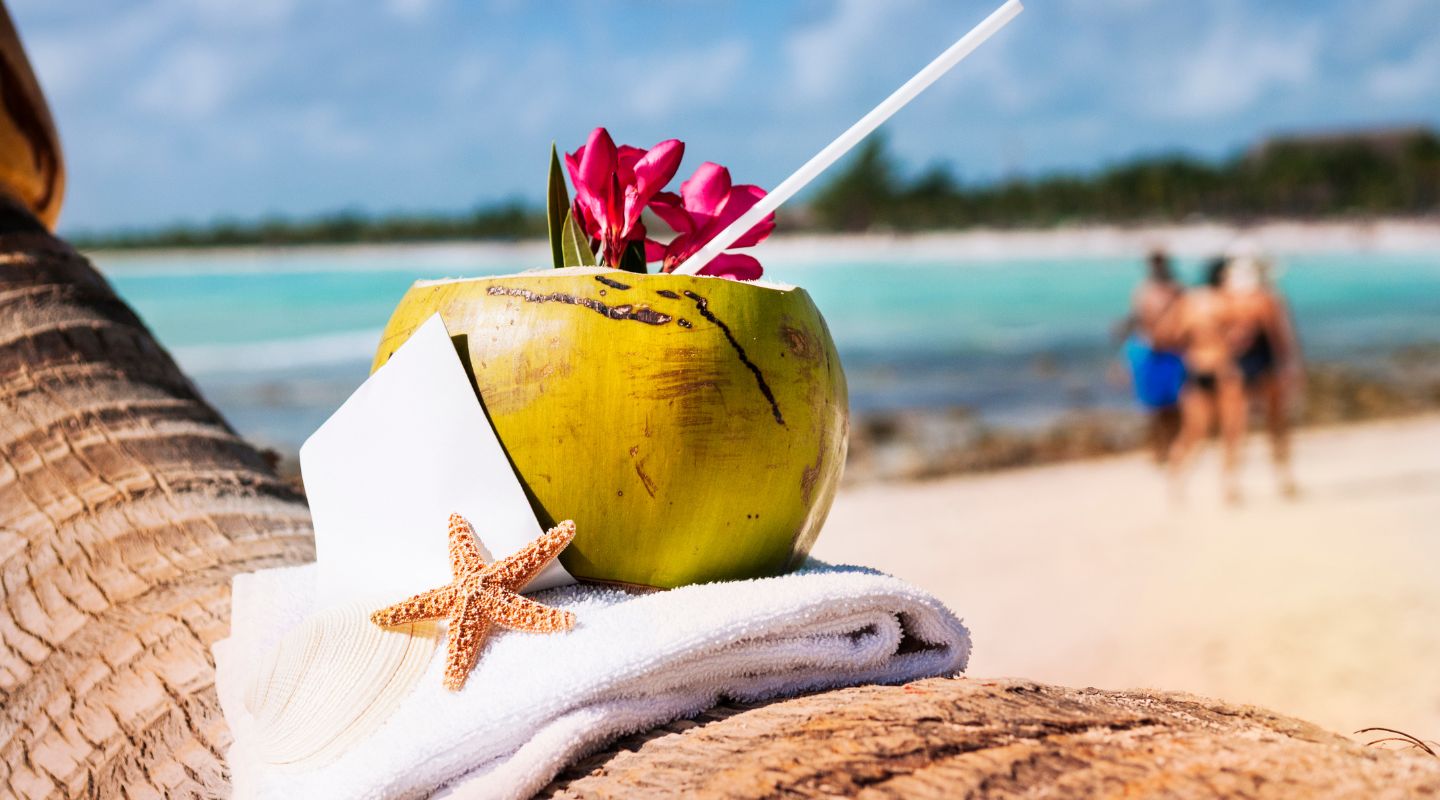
{"points": [[1282, 237], [1200, 239], [1327, 608]]}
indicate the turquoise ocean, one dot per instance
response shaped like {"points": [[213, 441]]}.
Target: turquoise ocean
{"points": [[277, 340]]}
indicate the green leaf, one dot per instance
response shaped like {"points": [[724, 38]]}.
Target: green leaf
{"points": [[634, 258], [557, 208], [575, 245]]}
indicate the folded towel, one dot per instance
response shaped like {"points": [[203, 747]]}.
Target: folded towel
{"points": [[536, 703]]}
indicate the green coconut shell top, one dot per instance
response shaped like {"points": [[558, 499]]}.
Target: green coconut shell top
{"points": [[694, 428]]}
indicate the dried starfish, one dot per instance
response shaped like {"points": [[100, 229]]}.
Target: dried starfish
{"points": [[483, 595]]}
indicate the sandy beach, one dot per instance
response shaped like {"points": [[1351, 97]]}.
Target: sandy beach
{"points": [[1195, 239], [1085, 574]]}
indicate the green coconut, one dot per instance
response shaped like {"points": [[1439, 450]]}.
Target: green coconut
{"points": [[694, 428]]}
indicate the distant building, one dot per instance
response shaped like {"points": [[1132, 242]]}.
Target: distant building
{"points": [[1392, 141]]}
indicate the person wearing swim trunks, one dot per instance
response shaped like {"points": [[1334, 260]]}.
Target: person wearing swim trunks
{"points": [[1213, 393], [1155, 374], [1264, 336]]}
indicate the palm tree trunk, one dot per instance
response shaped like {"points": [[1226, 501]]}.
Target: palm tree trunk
{"points": [[126, 504], [942, 738]]}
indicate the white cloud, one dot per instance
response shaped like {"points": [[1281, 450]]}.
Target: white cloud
{"points": [[190, 82], [409, 10], [1372, 26], [1409, 79], [866, 48], [324, 132], [61, 65], [471, 73], [230, 14], [68, 61], [690, 79], [1233, 68], [89, 52], [824, 59], [484, 86], [993, 74], [1125, 6]]}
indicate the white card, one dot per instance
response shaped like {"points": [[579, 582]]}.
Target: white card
{"points": [[383, 475]]}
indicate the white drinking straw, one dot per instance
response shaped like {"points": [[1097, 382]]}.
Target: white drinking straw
{"points": [[852, 137]]}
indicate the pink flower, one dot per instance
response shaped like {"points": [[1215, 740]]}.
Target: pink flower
{"points": [[613, 185], [706, 205]]}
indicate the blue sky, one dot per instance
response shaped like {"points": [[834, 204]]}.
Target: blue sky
{"points": [[188, 110]]}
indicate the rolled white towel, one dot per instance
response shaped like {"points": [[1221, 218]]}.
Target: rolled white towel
{"points": [[536, 703]]}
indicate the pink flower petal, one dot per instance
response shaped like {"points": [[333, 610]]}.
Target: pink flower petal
{"points": [[705, 191], [657, 166], [654, 251], [588, 205], [589, 211], [572, 166], [632, 208], [625, 159], [740, 200], [667, 207], [615, 206], [734, 265], [652, 171], [743, 198], [597, 163], [679, 249], [757, 234]]}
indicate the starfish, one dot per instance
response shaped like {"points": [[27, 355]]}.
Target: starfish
{"points": [[484, 595]]}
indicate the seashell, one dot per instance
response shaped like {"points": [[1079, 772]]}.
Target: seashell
{"points": [[331, 681]]}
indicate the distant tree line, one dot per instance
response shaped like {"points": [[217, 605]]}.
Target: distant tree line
{"points": [[509, 220], [1374, 173], [1385, 172]]}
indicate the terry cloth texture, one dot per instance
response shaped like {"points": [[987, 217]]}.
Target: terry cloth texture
{"points": [[536, 703]]}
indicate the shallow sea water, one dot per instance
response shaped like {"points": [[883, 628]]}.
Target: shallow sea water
{"points": [[278, 339]]}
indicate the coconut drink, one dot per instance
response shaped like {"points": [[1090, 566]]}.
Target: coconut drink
{"points": [[694, 426]]}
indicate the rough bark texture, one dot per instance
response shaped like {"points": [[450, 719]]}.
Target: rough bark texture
{"points": [[126, 504], [946, 738]]}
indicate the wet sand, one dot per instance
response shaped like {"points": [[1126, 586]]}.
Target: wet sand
{"points": [[1327, 607]]}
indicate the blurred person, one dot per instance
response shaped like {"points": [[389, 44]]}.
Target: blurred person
{"points": [[1268, 354], [1155, 373], [1200, 326]]}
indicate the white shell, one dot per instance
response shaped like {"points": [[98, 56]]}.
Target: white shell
{"points": [[331, 681]]}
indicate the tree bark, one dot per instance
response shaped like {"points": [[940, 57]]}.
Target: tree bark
{"points": [[944, 738], [126, 504]]}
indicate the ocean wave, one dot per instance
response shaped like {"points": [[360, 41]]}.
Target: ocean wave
{"points": [[279, 355]]}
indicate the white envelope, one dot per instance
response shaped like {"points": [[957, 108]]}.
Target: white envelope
{"points": [[383, 475]]}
